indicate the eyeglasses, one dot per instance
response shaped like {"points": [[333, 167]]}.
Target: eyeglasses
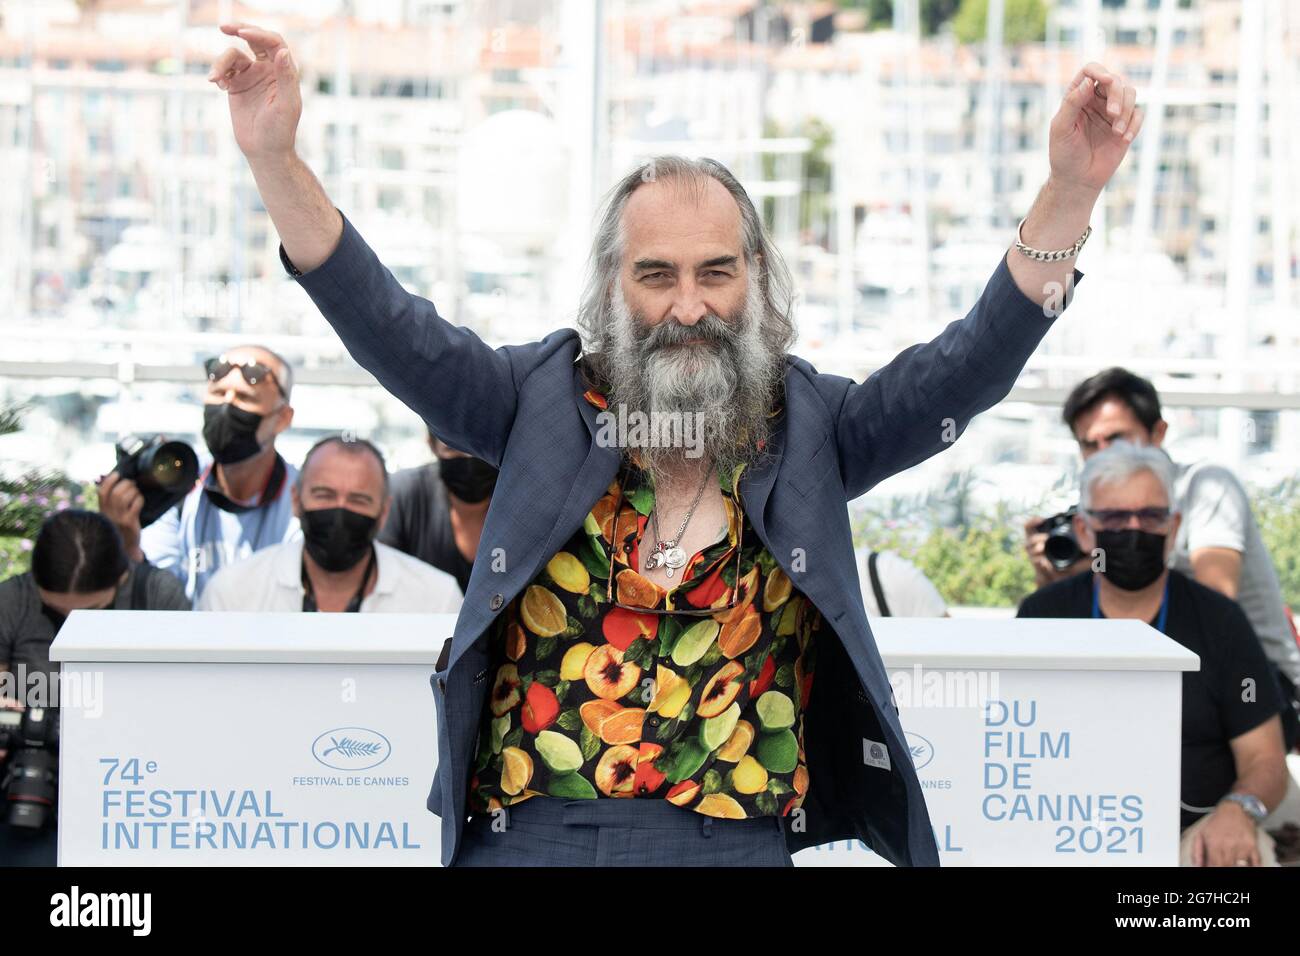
{"points": [[254, 372], [1117, 519], [687, 612]]}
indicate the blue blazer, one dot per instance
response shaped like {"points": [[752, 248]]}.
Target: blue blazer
{"points": [[520, 407]]}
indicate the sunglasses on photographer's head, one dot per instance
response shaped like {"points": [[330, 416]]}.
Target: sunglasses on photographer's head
{"points": [[254, 372]]}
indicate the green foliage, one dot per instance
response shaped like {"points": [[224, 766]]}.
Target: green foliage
{"points": [[973, 558], [1278, 512], [1023, 21], [26, 501]]}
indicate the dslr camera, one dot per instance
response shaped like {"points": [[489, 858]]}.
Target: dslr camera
{"points": [[29, 778], [1062, 547], [163, 470]]}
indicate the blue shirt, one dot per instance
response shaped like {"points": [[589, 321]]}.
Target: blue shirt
{"points": [[196, 539]]}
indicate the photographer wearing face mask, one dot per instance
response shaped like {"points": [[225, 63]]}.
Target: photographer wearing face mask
{"points": [[241, 502], [341, 499], [1218, 540], [1233, 771], [439, 510], [78, 562]]}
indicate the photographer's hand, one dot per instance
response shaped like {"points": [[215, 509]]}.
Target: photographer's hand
{"points": [[120, 501]]}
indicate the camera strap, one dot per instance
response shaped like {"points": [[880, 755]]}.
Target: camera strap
{"points": [[877, 588], [140, 586]]}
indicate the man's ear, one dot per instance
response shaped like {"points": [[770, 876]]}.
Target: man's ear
{"points": [[296, 499], [285, 420], [1158, 432]]}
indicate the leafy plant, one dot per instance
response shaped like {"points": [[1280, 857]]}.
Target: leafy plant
{"points": [[27, 500]]}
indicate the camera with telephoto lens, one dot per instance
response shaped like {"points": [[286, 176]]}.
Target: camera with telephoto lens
{"points": [[1062, 547], [163, 470], [29, 778]]}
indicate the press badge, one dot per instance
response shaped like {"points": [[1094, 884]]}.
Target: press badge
{"points": [[875, 754]]}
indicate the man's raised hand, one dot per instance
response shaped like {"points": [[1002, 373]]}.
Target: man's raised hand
{"points": [[1090, 134], [262, 88]]}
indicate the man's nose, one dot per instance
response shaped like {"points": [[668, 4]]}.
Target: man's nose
{"points": [[688, 306]]}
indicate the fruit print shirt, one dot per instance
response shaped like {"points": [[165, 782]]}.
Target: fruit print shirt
{"points": [[589, 700]]}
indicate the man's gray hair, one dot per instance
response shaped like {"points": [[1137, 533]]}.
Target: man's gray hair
{"points": [[1120, 461], [775, 286]]}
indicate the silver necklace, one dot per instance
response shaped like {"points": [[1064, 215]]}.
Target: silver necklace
{"points": [[667, 552]]}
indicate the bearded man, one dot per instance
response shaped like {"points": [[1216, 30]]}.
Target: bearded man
{"points": [[663, 657]]}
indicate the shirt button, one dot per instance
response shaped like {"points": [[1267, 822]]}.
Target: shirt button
{"points": [[654, 721], [497, 601], [644, 788]]}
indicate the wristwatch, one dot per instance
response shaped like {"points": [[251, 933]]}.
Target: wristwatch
{"points": [[1250, 803]]}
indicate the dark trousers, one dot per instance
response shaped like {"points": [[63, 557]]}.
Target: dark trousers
{"points": [[549, 831]]}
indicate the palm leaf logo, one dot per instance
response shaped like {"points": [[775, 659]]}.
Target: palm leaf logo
{"points": [[352, 748]]}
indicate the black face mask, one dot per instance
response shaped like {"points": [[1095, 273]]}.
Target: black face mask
{"points": [[1134, 558], [469, 479], [230, 433], [337, 538]]}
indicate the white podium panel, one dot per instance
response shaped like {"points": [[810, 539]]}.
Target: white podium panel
{"points": [[310, 739], [278, 739], [1037, 742]]}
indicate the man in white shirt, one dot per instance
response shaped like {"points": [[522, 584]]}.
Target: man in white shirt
{"points": [[341, 500]]}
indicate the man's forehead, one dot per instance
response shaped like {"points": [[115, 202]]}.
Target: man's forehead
{"points": [[331, 466], [1142, 489], [667, 220]]}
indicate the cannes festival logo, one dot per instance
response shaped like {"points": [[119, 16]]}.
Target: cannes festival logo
{"points": [[351, 748], [921, 749]]}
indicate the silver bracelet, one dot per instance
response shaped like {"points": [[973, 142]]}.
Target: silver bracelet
{"points": [[1057, 255]]}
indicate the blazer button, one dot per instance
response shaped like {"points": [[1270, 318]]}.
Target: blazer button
{"points": [[497, 601]]}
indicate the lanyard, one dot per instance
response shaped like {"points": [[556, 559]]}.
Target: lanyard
{"points": [[1160, 618], [211, 500], [309, 598]]}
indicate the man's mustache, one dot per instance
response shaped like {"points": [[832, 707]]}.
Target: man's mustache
{"points": [[710, 330]]}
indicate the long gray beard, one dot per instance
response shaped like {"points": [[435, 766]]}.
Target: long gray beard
{"points": [[729, 379]]}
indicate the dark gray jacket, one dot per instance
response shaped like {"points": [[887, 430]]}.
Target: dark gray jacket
{"points": [[521, 409]]}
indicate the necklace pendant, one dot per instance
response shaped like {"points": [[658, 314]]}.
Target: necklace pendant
{"points": [[655, 559], [669, 572], [674, 558]]}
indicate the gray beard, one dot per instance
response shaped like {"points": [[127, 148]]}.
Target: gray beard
{"points": [[725, 384]]}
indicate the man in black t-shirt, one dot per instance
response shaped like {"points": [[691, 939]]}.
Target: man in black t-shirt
{"points": [[438, 510], [1233, 769]]}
